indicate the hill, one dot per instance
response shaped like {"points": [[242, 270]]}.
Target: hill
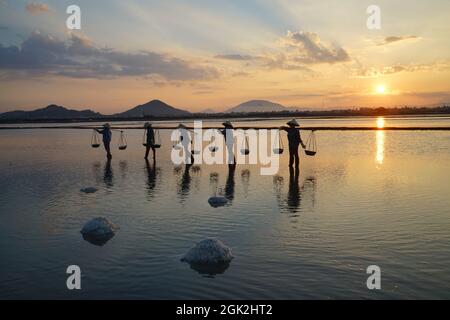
{"points": [[258, 106], [154, 108], [51, 112]]}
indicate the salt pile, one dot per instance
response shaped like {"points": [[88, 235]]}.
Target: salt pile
{"points": [[89, 190], [98, 231], [208, 251], [216, 202]]}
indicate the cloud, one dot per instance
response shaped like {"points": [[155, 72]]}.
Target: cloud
{"points": [[298, 52], [392, 39], [374, 72], [78, 57], [237, 57], [307, 48], [37, 8]]}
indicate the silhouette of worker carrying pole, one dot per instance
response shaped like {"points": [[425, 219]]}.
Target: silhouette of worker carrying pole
{"points": [[107, 135], [294, 139]]}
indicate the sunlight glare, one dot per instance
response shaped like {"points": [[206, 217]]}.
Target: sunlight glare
{"points": [[381, 89], [380, 123], [380, 147]]}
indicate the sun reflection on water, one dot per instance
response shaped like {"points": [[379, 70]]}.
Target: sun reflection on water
{"points": [[380, 136], [380, 122], [380, 147]]}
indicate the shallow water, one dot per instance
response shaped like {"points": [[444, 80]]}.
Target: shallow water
{"points": [[366, 198]]}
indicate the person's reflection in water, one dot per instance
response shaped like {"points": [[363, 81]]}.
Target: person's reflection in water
{"points": [[151, 176], [123, 166], [229, 185], [97, 171], [185, 183], [245, 178], [294, 193], [108, 174]]}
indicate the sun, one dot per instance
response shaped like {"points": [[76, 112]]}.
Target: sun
{"points": [[381, 89]]}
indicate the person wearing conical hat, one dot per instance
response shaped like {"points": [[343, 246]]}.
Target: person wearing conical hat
{"points": [[227, 131], [294, 139], [107, 136], [186, 142], [150, 141]]}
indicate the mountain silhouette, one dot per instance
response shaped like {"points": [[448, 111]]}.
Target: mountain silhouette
{"points": [[154, 108], [51, 112], [258, 106]]}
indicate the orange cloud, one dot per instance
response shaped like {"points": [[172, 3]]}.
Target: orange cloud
{"points": [[37, 8]]}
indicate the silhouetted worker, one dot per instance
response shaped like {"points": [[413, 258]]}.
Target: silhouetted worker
{"points": [[107, 135], [186, 143], [294, 139], [228, 129], [150, 141]]}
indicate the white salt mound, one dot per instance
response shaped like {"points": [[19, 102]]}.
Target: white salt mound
{"points": [[208, 251], [89, 190], [216, 202], [99, 227]]}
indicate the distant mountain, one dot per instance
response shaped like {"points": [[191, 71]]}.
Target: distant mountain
{"points": [[154, 108], [52, 112], [209, 110], [258, 106]]}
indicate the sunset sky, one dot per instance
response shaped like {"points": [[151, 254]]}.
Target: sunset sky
{"points": [[216, 54]]}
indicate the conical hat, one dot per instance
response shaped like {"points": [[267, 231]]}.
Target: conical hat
{"points": [[293, 122], [228, 124]]}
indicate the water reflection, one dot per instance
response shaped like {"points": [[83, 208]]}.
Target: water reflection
{"points": [[98, 241], [380, 122], [97, 172], [151, 177], [229, 190], [380, 141], [214, 182], [108, 175], [294, 196], [184, 186], [123, 167], [210, 270], [229, 185], [380, 147], [245, 178], [292, 202]]}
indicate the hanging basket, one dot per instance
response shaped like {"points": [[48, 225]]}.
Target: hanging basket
{"points": [[122, 141], [213, 147], [246, 149], [144, 139], [311, 145], [95, 143], [193, 151], [157, 142], [178, 146], [280, 148]]}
